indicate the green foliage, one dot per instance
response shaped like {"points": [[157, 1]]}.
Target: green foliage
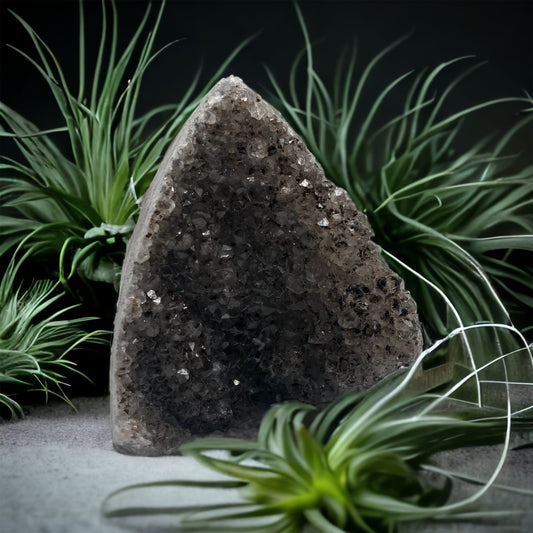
{"points": [[35, 339], [363, 464], [450, 222], [85, 205]]}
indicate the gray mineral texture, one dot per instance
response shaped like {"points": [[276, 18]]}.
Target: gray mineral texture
{"points": [[250, 279]]}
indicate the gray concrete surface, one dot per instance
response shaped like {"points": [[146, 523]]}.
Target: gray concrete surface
{"points": [[57, 466]]}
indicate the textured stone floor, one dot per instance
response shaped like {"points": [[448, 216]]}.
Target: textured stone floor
{"points": [[57, 466]]}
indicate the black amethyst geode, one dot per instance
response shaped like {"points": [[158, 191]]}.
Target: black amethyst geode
{"points": [[250, 279]]}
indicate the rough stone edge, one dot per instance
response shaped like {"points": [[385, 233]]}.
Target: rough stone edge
{"points": [[150, 214]]}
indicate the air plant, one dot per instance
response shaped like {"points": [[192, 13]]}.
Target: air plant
{"points": [[450, 221], [85, 205], [36, 339], [366, 463]]}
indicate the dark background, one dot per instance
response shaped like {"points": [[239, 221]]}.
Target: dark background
{"points": [[499, 32]]}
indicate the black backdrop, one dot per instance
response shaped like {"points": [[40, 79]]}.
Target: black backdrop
{"points": [[499, 32]]}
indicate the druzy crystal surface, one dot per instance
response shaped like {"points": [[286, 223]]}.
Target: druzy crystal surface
{"points": [[250, 279]]}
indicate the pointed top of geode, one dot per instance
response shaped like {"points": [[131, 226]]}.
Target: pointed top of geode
{"points": [[250, 279]]}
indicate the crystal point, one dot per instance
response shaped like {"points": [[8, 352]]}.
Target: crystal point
{"points": [[250, 279]]}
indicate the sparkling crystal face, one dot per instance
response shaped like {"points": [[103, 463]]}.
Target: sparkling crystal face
{"points": [[258, 283]]}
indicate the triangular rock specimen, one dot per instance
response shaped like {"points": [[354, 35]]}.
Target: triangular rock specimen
{"points": [[250, 279]]}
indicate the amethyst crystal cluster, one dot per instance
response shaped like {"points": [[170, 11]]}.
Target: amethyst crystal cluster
{"points": [[250, 279]]}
